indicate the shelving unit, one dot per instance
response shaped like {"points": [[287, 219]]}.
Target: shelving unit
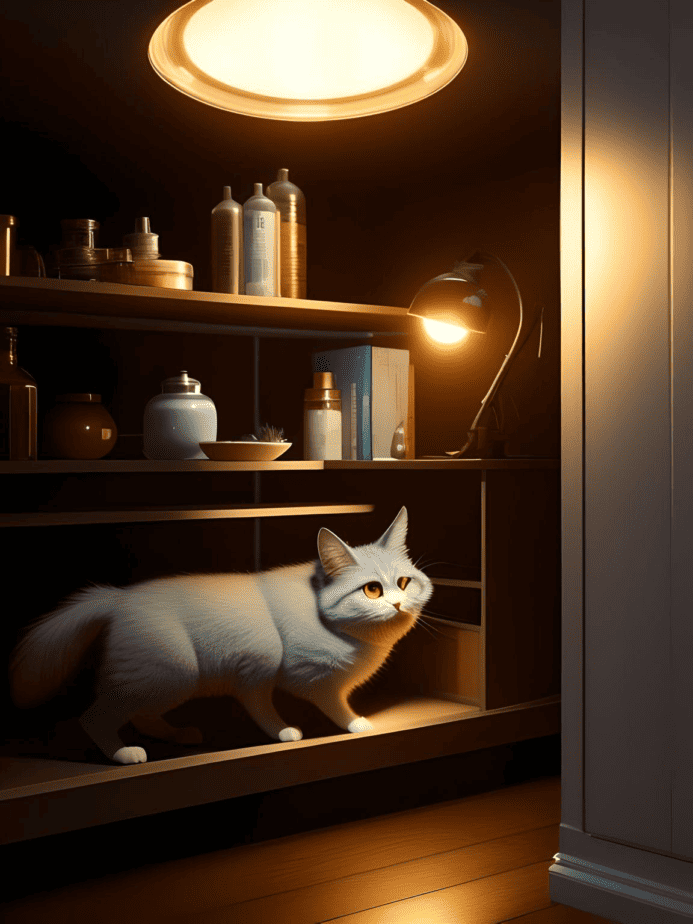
{"points": [[484, 673]]}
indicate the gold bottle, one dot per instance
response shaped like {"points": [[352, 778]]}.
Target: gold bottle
{"points": [[291, 203]]}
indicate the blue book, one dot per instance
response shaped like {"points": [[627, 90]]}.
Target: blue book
{"points": [[374, 386]]}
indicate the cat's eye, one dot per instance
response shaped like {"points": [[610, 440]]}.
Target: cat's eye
{"points": [[402, 582], [373, 590]]}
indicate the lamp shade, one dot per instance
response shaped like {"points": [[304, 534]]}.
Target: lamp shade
{"points": [[308, 60], [454, 298]]}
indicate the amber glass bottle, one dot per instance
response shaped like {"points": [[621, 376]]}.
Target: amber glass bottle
{"points": [[17, 403]]}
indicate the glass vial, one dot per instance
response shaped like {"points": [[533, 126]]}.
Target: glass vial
{"points": [[291, 205], [18, 428], [228, 270], [259, 244], [322, 419]]}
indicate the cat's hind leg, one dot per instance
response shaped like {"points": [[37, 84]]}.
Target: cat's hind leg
{"points": [[153, 724], [101, 722], [257, 702]]}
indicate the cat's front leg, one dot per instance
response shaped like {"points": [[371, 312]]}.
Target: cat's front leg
{"points": [[258, 704], [332, 702]]}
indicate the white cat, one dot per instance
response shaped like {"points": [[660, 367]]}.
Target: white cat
{"points": [[317, 630]]}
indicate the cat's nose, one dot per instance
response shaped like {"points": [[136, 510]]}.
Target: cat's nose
{"points": [[397, 606]]}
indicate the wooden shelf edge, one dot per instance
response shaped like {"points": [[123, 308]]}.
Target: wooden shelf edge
{"points": [[72, 299], [78, 466], [153, 515], [103, 796]]}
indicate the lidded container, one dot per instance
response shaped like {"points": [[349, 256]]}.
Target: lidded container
{"points": [[146, 268], [291, 205], [322, 419], [78, 427], [260, 245], [178, 420], [228, 270]]}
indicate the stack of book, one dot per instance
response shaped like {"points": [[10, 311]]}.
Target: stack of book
{"points": [[375, 385]]}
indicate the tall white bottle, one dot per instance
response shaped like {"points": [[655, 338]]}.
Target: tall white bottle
{"points": [[260, 244], [227, 246]]}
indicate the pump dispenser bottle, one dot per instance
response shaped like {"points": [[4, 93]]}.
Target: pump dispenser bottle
{"points": [[291, 205], [322, 419], [259, 244], [227, 246]]}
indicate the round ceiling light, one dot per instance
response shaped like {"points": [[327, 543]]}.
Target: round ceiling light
{"points": [[308, 60]]}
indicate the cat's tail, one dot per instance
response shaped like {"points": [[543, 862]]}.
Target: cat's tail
{"points": [[51, 650]]}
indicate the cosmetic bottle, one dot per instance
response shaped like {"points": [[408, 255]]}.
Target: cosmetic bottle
{"points": [[228, 271], [259, 244], [322, 419], [291, 205], [18, 428], [178, 420]]}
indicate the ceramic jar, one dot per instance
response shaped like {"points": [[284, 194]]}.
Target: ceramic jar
{"points": [[178, 420], [79, 427]]}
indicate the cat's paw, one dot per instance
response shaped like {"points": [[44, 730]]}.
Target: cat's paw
{"points": [[130, 755], [290, 734], [189, 735], [359, 725]]}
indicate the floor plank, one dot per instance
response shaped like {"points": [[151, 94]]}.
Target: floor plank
{"points": [[391, 883], [204, 883], [483, 901], [558, 914]]}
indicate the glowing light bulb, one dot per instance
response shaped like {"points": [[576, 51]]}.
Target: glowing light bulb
{"points": [[444, 333]]}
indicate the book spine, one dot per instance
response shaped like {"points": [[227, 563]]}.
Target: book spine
{"points": [[389, 396]]}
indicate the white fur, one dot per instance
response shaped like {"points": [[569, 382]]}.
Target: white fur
{"points": [[308, 629]]}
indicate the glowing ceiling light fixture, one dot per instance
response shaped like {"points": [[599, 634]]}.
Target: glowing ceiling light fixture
{"points": [[308, 60]]}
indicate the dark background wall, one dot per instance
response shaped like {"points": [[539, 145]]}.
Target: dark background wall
{"points": [[89, 130]]}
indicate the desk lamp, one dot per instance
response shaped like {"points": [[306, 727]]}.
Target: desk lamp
{"points": [[456, 303]]}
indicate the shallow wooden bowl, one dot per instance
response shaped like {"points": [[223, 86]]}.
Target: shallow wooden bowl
{"points": [[251, 451]]}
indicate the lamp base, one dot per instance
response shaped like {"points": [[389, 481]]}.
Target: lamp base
{"points": [[483, 443]]}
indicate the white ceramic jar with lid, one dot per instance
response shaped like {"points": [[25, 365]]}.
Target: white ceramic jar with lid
{"points": [[178, 420]]}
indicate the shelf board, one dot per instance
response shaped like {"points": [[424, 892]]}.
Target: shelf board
{"points": [[197, 512], [80, 303], [457, 582], [75, 466], [40, 796]]}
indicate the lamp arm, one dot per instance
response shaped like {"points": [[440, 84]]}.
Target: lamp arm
{"points": [[528, 321]]}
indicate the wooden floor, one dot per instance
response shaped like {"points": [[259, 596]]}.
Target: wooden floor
{"points": [[482, 859]]}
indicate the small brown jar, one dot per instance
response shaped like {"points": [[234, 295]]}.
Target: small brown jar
{"points": [[78, 427]]}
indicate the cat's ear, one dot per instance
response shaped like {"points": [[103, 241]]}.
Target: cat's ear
{"points": [[335, 555], [394, 539]]}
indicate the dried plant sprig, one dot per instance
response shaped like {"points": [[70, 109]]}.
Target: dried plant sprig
{"points": [[266, 434]]}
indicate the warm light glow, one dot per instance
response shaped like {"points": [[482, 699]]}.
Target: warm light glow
{"points": [[444, 333], [308, 60], [309, 49]]}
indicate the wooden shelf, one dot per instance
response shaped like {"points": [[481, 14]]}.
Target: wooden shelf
{"points": [[157, 514], [78, 303], [75, 466], [40, 796]]}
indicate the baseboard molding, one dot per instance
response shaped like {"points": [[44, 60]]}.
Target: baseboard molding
{"points": [[617, 895]]}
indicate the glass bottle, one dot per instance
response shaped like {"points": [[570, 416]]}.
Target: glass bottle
{"points": [[17, 403]]}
